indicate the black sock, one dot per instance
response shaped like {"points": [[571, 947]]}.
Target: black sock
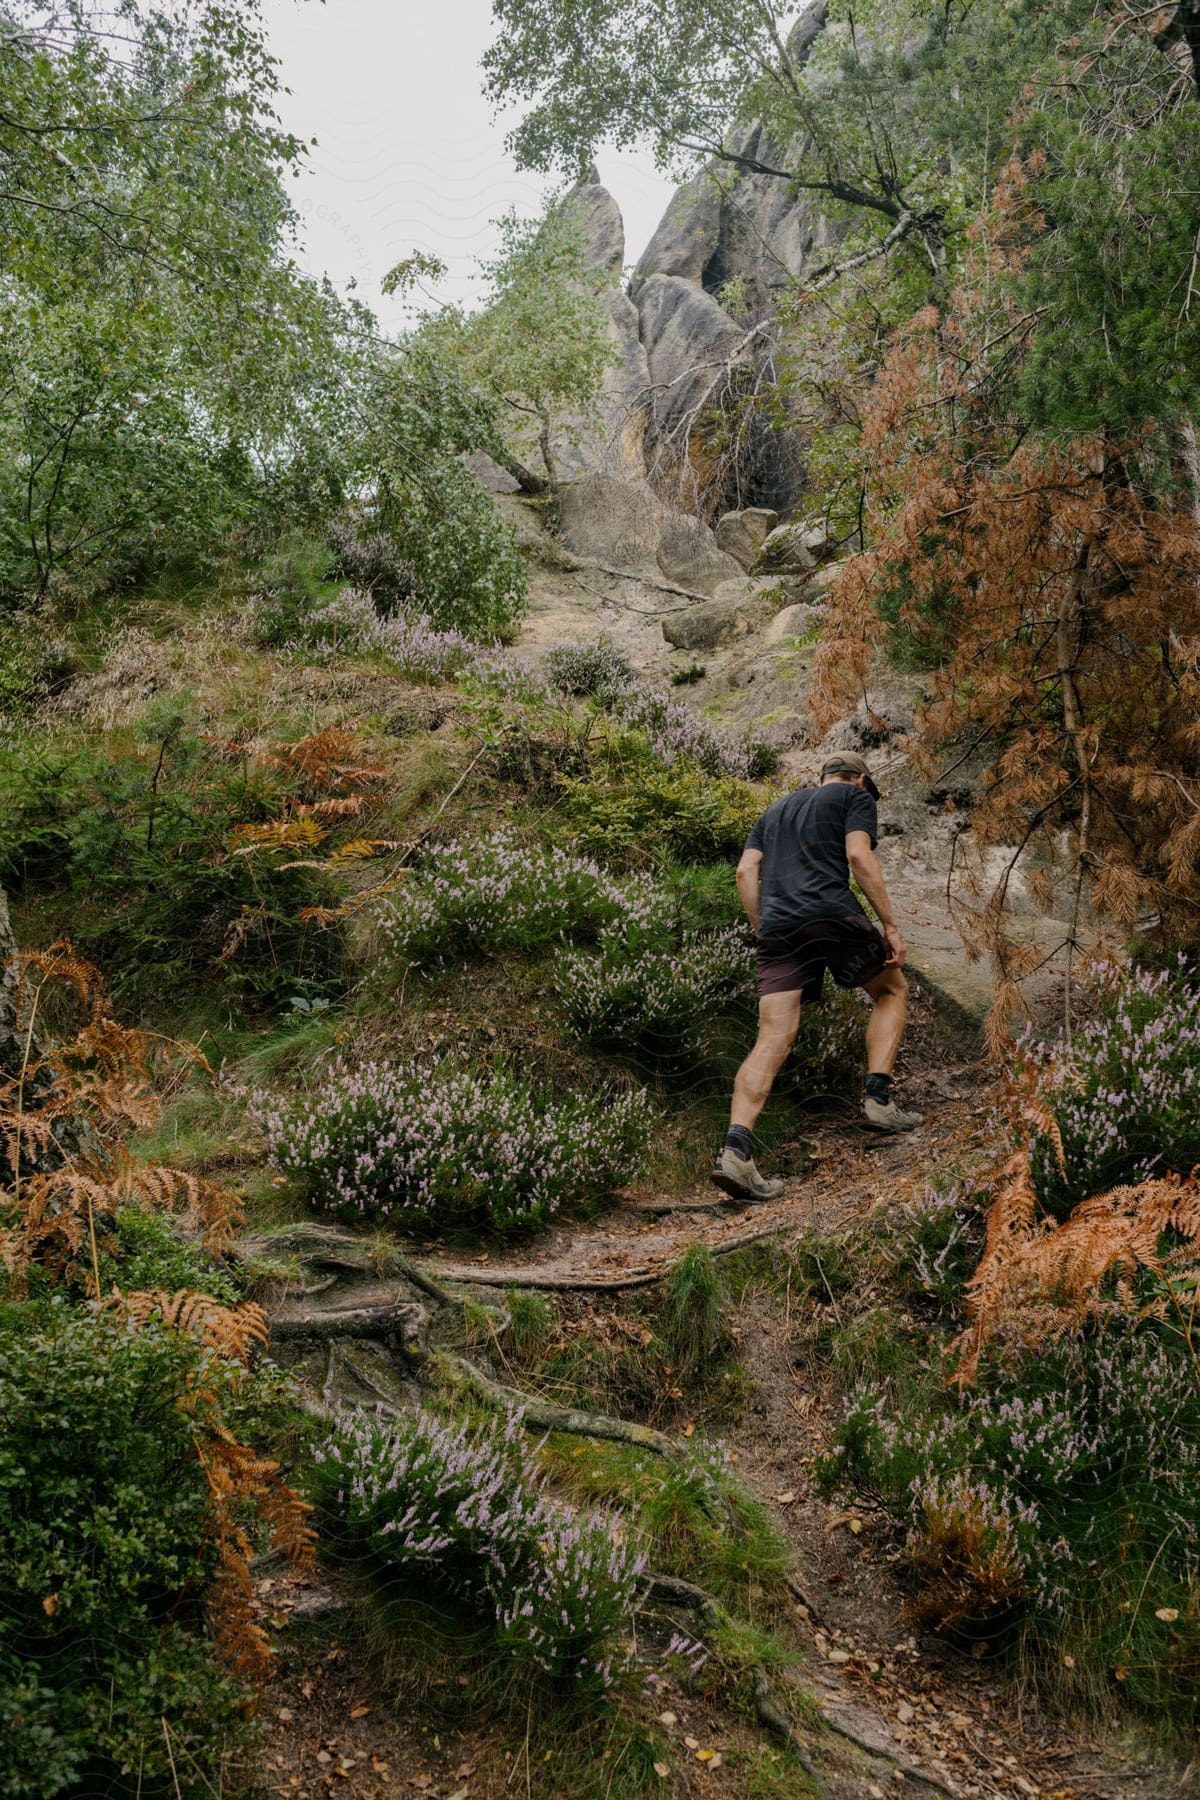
{"points": [[879, 1087], [739, 1140]]}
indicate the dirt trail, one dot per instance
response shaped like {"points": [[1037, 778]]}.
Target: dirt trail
{"points": [[634, 1245], [918, 1704]]}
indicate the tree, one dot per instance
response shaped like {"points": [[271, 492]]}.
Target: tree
{"points": [[1051, 575], [539, 346], [887, 112], [164, 367]]}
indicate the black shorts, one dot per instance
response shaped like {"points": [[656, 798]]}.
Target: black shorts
{"points": [[849, 947]]}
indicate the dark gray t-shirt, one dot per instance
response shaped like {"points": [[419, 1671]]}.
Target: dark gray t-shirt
{"points": [[805, 874]]}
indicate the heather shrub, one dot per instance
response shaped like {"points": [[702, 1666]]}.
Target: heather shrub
{"points": [[598, 670], [105, 1554], [686, 1001], [497, 893], [674, 732], [1064, 1486], [1126, 1096], [656, 996], [371, 560], [934, 1244], [462, 1510], [434, 1148]]}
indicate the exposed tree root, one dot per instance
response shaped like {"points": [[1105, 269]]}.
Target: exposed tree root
{"points": [[404, 1320], [770, 1712], [550, 1283], [678, 1592], [546, 1415]]}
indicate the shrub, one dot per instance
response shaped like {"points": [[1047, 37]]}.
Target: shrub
{"points": [[498, 893], [465, 1511], [142, 846], [597, 670], [675, 732], [934, 1243], [1065, 1486], [687, 999], [105, 1553], [679, 811], [658, 997], [1126, 1097], [371, 561], [438, 1148]]}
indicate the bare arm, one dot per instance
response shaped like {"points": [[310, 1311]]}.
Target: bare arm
{"points": [[749, 882], [864, 866]]}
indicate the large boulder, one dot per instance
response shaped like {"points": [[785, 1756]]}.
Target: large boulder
{"points": [[785, 551], [743, 533], [702, 627], [689, 554], [688, 338], [625, 525]]}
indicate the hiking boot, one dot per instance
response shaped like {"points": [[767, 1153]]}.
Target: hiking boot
{"points": [[742, 1181], [890, 1117]]}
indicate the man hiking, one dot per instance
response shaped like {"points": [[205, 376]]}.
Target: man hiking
{"points": [[794, 882]]}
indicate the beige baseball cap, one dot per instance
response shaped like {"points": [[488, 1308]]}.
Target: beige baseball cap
{"points": [[846, 762]]}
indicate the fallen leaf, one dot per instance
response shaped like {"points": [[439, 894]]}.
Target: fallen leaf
{"points": [[286, 1714], [689, 1428], [692, 1743], [786, 1498], [280, 1619], [705, 1755], [839, 1656], [666, 1718], [905, 1713], [662, 1770], [359, 1712], [1168, 1614]]}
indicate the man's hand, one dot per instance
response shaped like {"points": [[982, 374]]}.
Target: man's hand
{"points": [[896, 947]]}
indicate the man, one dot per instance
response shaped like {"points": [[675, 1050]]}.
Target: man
{"points": [[794, 883]]}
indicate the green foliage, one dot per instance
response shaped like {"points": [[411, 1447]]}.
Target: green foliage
{"points": [[1115, 166], [695, 1323], [150, 1253], [418, 416], [137, 840], [170, 378], [678, 811], [104, 1554], [541, 343], [1056, 1501]]}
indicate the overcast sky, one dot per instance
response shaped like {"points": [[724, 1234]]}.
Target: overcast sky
{"points": [[408, 156]]}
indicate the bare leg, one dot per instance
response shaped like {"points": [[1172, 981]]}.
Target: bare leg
{"points": [[778, 1023], [889, 992]]}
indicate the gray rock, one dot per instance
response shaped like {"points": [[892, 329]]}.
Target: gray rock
{"points": [[612, 437], [610, 520], [689, 554], [626, 525], [598, 218], [784, 550], [743, 533], [688, 338], [792, 622], [702, 627]]}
